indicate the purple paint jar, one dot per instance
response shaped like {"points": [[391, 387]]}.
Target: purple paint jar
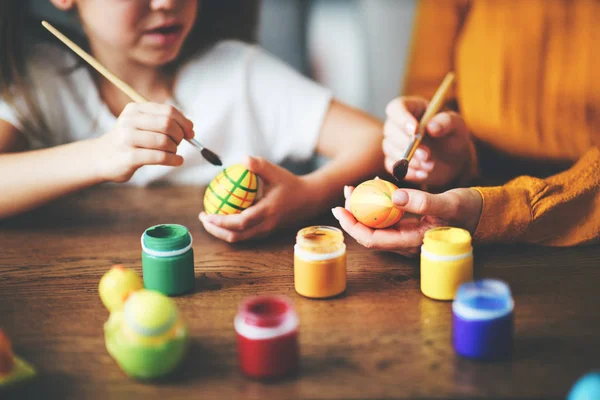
{"points": [[483, 320]]}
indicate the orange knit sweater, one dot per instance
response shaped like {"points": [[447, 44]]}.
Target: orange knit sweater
{"points": [[528, 87]]}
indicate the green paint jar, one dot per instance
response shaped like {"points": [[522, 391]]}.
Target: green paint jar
{"points": [[168, 259]]}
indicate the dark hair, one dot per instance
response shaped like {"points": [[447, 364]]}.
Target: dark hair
{"points": [[216, 20]]}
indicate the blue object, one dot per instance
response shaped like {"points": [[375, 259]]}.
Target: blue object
{"points": [[483, 320], [586, 388]]}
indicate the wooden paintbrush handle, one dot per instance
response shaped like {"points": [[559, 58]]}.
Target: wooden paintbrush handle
{"points": [[125, 88], [436, 102]]}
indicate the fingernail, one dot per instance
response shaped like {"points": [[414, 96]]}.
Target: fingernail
{"points": [[400, 198], [213, 219], [428, 165], [434, 127], [410, 127], [421, 154], [346, 191], [421, 174], [335, 213]]}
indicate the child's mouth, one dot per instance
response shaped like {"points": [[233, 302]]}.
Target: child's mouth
{"points": [[164, 35]]}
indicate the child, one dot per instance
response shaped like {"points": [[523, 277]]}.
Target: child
{"points": [[529, 111], [64, 128]]}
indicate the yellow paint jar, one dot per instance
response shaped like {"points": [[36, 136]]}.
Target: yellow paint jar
{"points": [[320, 262], [446, 262]]}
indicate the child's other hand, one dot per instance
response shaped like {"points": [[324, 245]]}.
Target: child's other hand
{"points": [[457, 207], [285, 199], [444, 153], [145, 134]]}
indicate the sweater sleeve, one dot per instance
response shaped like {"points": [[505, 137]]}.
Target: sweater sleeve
{"points": [[562, 210]]}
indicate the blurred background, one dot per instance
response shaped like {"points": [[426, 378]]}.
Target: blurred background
{"points": [[357, 48]]}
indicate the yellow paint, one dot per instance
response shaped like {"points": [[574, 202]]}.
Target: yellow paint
{"points": [[440, 279], [320, 262], [232, 191]]}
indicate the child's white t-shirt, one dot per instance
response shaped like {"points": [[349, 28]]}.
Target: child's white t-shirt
{"points": [[241, 100]]}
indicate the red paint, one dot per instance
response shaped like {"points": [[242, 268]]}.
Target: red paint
{"points": [[6, 355], [267, 336]]}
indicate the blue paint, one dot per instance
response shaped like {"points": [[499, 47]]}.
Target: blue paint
{"points": [[483, 320], [586, 388]]}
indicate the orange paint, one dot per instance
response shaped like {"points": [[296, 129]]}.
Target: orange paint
{"points": [[320, 262], [371, 204]]}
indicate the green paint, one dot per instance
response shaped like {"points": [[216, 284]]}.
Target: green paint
{"points": [[166, 237], [239, 182], [236, 185], [223, 202], [170, 275]]}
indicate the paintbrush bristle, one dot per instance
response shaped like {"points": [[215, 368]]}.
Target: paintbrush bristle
{"points": [[400, 169], [211, 157]]}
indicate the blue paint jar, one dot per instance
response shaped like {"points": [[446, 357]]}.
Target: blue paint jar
{"points": [[483, 320]]}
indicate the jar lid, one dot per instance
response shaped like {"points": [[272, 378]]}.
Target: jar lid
{"points": [[483, 300], [266, 311], [447, 241], [320, 239], [166, 238], [150, 313]]}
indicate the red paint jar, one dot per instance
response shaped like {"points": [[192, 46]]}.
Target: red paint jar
{"points": [[267, 337]]}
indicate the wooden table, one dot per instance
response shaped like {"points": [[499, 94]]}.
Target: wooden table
{"points": [[382, 339]]}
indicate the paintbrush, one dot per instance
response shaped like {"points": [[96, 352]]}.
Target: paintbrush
{"points": [[401, 166], [210, 156]]}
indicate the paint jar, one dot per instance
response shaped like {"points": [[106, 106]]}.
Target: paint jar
{"points": [[483, 320], [267, 337], [168, 259], [446, 262], [320, 262]]}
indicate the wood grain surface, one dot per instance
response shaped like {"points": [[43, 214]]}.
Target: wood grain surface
{"points": [[381, 339]]}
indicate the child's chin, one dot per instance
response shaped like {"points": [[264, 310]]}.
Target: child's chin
{"points": [[159, 59]]}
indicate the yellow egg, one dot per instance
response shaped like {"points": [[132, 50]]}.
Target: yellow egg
{"points": [[232, 191], [371, 204], [116, 285]]}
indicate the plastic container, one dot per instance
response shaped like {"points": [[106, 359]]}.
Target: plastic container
{"points": [[267, 337], [483, 320], [168, 259], [320, 262], [446, 262]]}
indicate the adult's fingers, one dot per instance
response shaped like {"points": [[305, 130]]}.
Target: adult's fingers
{"points": [[442, 205], [381, 239], [446, 123]]}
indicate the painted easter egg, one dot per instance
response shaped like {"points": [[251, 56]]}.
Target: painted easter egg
{"points": [[116, 285], [148, 338], [232, 191], [371, 204]]}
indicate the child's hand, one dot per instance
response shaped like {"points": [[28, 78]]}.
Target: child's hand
{"points": [[457, 207], [284, 200], [145, 134], [444, 153]]}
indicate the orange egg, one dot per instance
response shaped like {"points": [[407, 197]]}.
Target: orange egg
{"points": [[371, 204]]}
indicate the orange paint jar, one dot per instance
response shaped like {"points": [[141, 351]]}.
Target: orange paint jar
{"points": [[320, 262]]}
